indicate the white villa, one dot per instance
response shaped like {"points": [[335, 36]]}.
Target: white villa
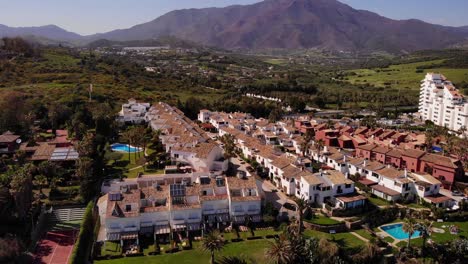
{"points": [[133, 112]]}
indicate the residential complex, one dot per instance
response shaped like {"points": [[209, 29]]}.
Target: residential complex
{"points": [[442, 103], [193, 196]]}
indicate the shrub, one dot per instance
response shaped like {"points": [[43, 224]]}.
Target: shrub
{"points": [[84, 240]]}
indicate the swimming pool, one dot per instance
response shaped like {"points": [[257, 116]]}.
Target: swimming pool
{"points": [[396, 231], [124, 148]]}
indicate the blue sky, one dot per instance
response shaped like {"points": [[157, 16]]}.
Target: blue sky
{"points": [[92, 16]]}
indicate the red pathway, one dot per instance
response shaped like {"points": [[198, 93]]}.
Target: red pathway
{"points": [[56, 247]]}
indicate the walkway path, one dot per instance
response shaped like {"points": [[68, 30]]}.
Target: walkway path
{"points": [[360, 237]]}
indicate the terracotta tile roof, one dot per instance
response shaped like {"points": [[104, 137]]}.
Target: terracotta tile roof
{"points": [[312, 179], [390, 173], [439, 198], [374, 165], [440, 160], [337, 177], [43, 152], [413, 153], [367, 147], [385, 190], [381, 149], [351, 198], [394, 153], [281, 162], [7, 138]]}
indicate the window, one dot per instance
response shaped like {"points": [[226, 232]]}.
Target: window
{"points": [[128, 208], [347, 186]]}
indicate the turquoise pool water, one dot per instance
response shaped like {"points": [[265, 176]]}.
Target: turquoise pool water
{"points": [[124, 148], [397, 232]]}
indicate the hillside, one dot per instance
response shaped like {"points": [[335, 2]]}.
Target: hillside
{"points": [[294, 24], [45, 32], [277, 24]]}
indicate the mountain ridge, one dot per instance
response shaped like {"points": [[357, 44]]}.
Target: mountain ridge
{"points": [[290, 24]]}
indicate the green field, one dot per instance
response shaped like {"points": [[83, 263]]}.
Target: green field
{"points": [[404, 75]]}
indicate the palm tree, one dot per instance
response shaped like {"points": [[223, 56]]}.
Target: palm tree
{"points": [[424, 229], [232, 260], [409, 226], [320, 144], [309, 136], [213, 242], [127, 136], [280, 250], [40, 180], [301, 204]]}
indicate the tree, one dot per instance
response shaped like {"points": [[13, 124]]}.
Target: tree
{"points": [[305, 144], [21, 187], [84, 171], [40, 181], [229, 146], [424, 228], [10, 249], [302, 205], [280, 250], [409, 226], [320, 143], [212, 242], [370, 254]]}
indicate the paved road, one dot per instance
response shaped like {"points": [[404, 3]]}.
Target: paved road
{"points": [[278, 199]]}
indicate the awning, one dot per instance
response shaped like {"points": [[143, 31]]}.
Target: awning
{"points": [[146, 230], [177, 228], [162, 229], [238, 219], [256, 218], [193, 227], [129, 235], [113, 236]]}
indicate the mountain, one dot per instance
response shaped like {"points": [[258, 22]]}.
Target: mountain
{"points": [[278, 24], [294, 24], [51, 32]]}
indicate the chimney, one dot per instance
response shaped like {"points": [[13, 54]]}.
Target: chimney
{"points": [[347, 175], [388, 166], [344, 158], [365, 162], [406, 173]]}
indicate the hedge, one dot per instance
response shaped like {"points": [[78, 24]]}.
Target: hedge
{"points": [[85, 237]]}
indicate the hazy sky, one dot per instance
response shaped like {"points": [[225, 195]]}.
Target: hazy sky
{"points": [[92, 16]]}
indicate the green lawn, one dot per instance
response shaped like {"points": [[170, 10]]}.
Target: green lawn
{"points": [[364, 234], [405, 75], [322, 220], [255, 250], [378, 201], [346, 240], [389, 239]]}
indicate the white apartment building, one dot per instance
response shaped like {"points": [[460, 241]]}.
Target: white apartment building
{"points": [[133, 112], [165, 205], [442, 103]]}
